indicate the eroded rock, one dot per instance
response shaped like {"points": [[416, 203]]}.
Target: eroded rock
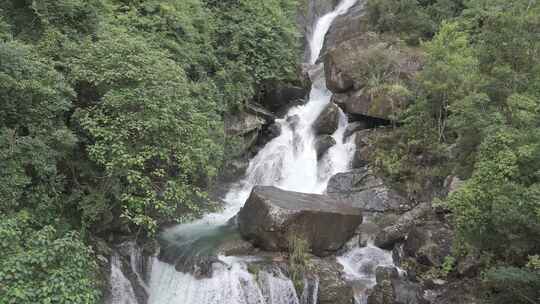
{"points": [[271, 216], [328, 121], [366, 191]]}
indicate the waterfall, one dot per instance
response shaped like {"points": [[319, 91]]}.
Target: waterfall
{"points": [[289, 162]]}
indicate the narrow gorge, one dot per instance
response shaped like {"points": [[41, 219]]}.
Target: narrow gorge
{"points": [[207, 262]]}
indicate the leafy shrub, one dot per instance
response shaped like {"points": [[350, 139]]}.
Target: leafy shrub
{"points": [[43, 265]]}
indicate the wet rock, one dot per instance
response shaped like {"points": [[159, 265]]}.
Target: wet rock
{"points": [[328, 121], [293, 121], [332, 288], [394, 289], [271, 216], [234, 169], [429, 243], [366, 191], [268, 133], [354, 127], [346, 27], [397, 232], [308, 13], [282, 96], [323, 143]]}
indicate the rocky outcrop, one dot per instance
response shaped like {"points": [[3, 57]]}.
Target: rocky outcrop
{"points": [[328, 121], [397, 232], [278, 98], [308, 13], [323, 143], [429, 243], [352, 54], [391, 288], [272, 216], [346, 27], [332, 288], [366, 191]]}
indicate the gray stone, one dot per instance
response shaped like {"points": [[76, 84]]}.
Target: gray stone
{"points": [[429, 243], [271, 216], [332, 288], [323, 143], [328, 121], [397, 232], [366, 191]]}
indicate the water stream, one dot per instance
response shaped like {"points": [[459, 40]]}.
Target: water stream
{"points": [[288, 162]]}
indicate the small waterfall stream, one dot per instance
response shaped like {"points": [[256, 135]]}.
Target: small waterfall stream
{"points": [[288, 162]]}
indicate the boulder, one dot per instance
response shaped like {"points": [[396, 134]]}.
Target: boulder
{"points": [[323, 143], [243, 123], [234, 169], [366, 191], [346, 27], [332, 287], [272, 216], [397, 232], [328, 121], [361, 102], [429, 243], [394, 289], [347, 69], [281, 96], [268, 133], [354, 127]]}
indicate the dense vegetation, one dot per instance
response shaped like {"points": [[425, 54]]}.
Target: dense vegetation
{"points": [[475, 113], [111, 121]]}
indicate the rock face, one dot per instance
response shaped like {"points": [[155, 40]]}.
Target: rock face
{"points": [[279, 97], [397, 232], [429, 243], [327, 123], [346, 27], [365, 191], [351, 52], [323, 143], [332, 288], [393, 289], [271, 216]]}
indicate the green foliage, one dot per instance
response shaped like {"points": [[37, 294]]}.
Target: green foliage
{"points": [[43, 265], [30, 145], [477, 112], [299, 263], [415, 20], [111, 120], [513, 285]]}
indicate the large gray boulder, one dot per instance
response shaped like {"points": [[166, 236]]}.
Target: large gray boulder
{"points": [[272, 216], [366, 191], [328, 121]]}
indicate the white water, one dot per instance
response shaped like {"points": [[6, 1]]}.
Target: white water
{"points": [[121, 288], [288, 162]]}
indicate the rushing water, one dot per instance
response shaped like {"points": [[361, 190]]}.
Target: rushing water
{"points": [[288, 162]]}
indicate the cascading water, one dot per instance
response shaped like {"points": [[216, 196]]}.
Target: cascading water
{"points": [[288, 162]]}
